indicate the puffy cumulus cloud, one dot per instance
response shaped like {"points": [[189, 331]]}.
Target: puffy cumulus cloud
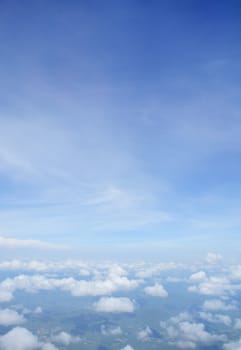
{"points": [[27, 243], [217, 304], [217, 318], [93, 287], [198, 277], [10, 317], [144, 334], [127, 347], [22, 339], [215, 285], [112, 304], [184, 333], [213, 258], [235, 345], [65, 338], [157, 291], [110, 331]]}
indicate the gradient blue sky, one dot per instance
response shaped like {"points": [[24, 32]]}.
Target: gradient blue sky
{"points": [[120, 125]]}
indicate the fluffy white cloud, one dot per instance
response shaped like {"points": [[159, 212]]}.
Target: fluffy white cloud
{"points": [[111, 304], [22, 339], [187, 334], [27, 243], [215, 285], [95, 287], [10, 317], [65, 338], [217, 304], [157, 291]]}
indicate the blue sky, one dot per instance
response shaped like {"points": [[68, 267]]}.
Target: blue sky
{"points": [[120, 125]]}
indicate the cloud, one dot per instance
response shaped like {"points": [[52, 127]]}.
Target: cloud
{"points": [[183, 332], [157, 291], [155, 269], [217, 318], [144, 334], [198, 276], [233, 345], [10, 317], [111, 331], [217, 304], [46, 266], [214, 285], [112, 304], [22, 339], [38, 310], [96, 287], [127, 347], [65, 338], [49, 346], [213, 258], [27, 243], [237, 323]]}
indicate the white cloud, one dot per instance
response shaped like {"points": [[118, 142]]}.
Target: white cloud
{"points": [[27, 243], [95, 287], [43, 266], [144, 334], [214, 285], [217, 304], [187, 334], [157, 291], [198, 276], [65, 338], [22, 339], [127, 347], [236, 272], [112, 304], [212, 258], [49, 346], [156, 269], [10, 317], [237, 323]]}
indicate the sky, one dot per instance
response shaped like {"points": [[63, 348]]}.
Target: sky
{"points": [[120, 127]]}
